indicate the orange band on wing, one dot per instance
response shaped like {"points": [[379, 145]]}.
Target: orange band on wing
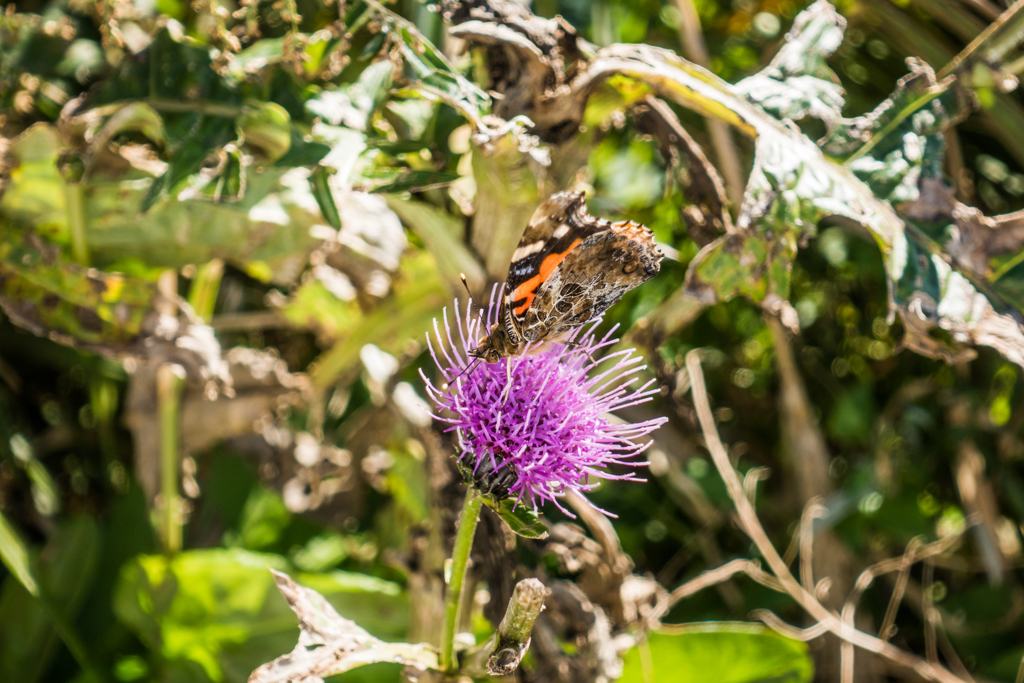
{"points": [[527, 290]]}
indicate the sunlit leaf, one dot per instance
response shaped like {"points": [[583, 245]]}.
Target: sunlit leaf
{"points": [[730, 652], [269, 221], [266, 126], [407, 314], [219, 609], [521, 519], [890, 183], [15, 556], [442, 234]]}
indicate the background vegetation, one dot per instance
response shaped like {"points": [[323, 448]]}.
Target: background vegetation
{"points": [[312, 177]]}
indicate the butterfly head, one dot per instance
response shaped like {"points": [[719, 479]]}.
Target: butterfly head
{"points": [[495, 346]]}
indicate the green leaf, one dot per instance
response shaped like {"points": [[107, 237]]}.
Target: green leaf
{"points": [[433, 75], [65, 572], [219, 609], [354, 105], [320, 186], [883, 172], [15, 556], [268, 222], [196, 138], [266, 126], [48, 296], [255, 57], [134, 116], [407, 314], [395, 180], [302, 152], [35, 193], [198, 603], [442, 233], [727, 652], [521, 519]]}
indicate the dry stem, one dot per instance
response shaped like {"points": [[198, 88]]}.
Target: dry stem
{"points": [[748, 521]]}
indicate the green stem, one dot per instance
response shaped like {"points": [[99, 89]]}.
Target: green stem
{"points": [[169, 383], [995, 42], [203, 294], [188, 106], [1008, 266], [74, 194], [460, 558]]}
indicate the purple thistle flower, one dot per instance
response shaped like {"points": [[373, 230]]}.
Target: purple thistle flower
{"points": [[543, 415]]}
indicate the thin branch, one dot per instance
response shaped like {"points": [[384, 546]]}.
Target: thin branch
{"points": [[249, 321], [846, 659], [846, 652], [750, 479], [74, 199], [983, 7], [692, 40], [886, 630], [812, 511], [194, 106], [170, 380], [977, 495], [952, 657], [776, 624], [603, 531], [751, 525], [930, 614], [724, 573], [793, 549], [994, 43]]}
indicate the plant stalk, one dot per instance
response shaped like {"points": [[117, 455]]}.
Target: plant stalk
{"points": [[205, 285], [460, 560], [74, 194], [995, 42], [501, 654], [189, 106], [169, 383]]}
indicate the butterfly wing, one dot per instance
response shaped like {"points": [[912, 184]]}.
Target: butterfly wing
{"points": [[558, 227], [591, 278], [570, 267]]}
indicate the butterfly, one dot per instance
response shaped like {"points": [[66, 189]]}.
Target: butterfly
{"points": [[568, 269]]}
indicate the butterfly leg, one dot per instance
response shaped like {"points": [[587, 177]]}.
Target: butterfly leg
{"points": [[508, 380], [576, 344]]}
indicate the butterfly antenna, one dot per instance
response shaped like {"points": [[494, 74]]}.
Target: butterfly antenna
{"points": [[462, 276], [466, 369]]}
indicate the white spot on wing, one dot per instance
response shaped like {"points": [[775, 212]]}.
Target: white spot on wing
{"points": [[527, 250], [562, 231]]}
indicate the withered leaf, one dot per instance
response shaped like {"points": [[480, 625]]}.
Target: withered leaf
{"points": [[329, 644]]}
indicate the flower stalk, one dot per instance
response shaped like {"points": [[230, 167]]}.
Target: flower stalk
{"points": [[170, 380], [460, 561]]}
